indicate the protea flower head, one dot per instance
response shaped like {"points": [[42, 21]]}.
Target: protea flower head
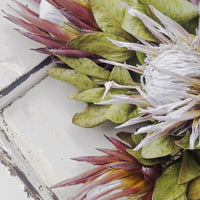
{"points": [[169, 91], [56, 28], [117, 175]]}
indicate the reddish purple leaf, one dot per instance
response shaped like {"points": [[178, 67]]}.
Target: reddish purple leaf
{"points": [[96, 160]]}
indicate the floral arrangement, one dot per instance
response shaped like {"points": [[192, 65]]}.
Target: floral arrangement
{"points": [[132, 62]]}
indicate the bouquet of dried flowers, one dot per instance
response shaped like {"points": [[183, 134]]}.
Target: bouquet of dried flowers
{"points": [[132, 62]]}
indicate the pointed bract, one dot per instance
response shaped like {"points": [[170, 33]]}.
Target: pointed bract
{"points": [[119, 175]]}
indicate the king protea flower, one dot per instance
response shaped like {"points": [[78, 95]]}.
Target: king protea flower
{"points": [[117, 175], [57, 24], [170, 80]]}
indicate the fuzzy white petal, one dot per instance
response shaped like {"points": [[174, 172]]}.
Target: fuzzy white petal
{"points": [[130, 67], [154, 51], [171, 26], [153, 26], [112, 84], [148, 139], [195, 134], [135, 121], [123, 99]]}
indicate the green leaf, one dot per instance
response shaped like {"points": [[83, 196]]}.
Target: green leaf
{"points": [[137, 154], [137, 138], [126, 137], [197, 154], [90, 95], [109, 16], [180, 11], [121, 75], [194, 189], [86, 66], [134, 114], [92, 116], [190, 168], [94, 95], [167, 187], [141, 57], [99, 44], [182, 197], [191, 26], [118, 113], [98, 81], [73, 77], [161, 147], [184, 143], [134, 25]]}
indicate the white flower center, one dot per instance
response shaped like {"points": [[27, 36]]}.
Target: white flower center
{"points": [[163, 78]]}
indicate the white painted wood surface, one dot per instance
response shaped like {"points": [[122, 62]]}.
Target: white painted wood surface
{"points": [[11, 187], [16, 58], [40, 125]]}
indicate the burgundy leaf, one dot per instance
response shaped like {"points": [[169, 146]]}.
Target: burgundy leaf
{"points": [[46, 40], [77, 22], [118, 144], [96, 160], [118, 155], [78, 11], [82, 178], [148, 196], [127, 166], [151, 173], [30, 27]]}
